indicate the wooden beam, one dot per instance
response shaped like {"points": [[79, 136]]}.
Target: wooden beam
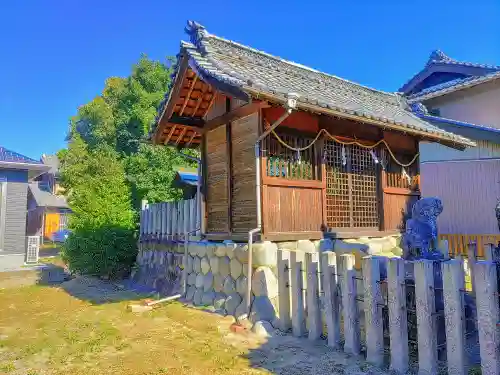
{"points": [[229, 166], [167, 110], [200, 99], [192, 122], [214, 95], [188, 95], [239, 112], [181, 136], [191, 139], [170, 133]]}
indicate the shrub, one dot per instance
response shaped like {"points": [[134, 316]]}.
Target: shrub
{"points": [[105, 251]]}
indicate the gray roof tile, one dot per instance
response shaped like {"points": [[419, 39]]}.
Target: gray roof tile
{"points": [[249, 70]]}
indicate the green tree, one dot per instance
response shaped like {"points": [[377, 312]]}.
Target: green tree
{"points": [[108, 168], [102, 237]]}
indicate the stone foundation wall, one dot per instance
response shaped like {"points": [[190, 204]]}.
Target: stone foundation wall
{"points": [[217, 273]]}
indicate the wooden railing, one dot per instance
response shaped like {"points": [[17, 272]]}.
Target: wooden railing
{"points": [[457, 243]]}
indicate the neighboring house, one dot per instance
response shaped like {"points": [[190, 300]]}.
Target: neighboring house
{"points": [[261, 123], [463, 98], [47, 208], [187, 180], [15, 173]]}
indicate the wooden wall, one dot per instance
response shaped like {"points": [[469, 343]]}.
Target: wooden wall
{"points": [[244, 133], [289, 206], [217, 180], [230, 167], [292, 209], [396, 208]]}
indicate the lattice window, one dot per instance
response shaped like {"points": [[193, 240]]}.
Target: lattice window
{"points": [[351, 195], [395, 177], [285, 163]]}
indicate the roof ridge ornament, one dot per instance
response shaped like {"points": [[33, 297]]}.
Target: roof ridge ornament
{"points": [[196, 32], [438, 56], [419, 108]]}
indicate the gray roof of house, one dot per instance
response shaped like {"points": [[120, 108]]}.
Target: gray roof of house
{"points": [[451, 86], [45, 198], [247, 71]]}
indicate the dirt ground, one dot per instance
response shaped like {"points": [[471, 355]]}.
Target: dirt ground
{"points": [[82, 326]]}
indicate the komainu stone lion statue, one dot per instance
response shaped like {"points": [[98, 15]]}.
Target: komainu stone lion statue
{"points": [[420, 238]]}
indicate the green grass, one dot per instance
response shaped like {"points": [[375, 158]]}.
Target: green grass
{"points": [[44, 330]]}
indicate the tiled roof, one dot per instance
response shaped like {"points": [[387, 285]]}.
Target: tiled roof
{"points": [[450, 86], [439, 57], [14, 157], [250, 72], [479, 74]]}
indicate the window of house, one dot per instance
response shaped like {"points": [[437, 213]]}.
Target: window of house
{"points": [[351, 195]]}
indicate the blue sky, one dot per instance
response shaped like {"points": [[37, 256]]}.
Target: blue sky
{"points": [[56, 54]]}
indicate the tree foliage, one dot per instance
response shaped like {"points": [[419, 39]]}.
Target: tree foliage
{"points": [[108, 168]]}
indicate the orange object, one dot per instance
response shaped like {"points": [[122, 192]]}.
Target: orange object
{"points": [[51, 224]]}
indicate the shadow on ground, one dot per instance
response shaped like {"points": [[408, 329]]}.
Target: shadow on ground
{"points": [[88, 288], [288, 355]]}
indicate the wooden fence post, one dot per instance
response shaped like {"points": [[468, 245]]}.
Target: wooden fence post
{"points": [[373, 311], [485, 274], [426, 322], [284, 284], [488, 252], [398, 319], [298, 323], [454, 313], [312, 293], [352, 340], [471, 262], [332, 303]]}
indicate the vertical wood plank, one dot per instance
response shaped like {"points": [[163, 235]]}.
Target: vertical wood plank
{"points": [[141, 223], [471, 262], [163, 220], [298, 322], [487, 252], [454, 312], [332, 303], [312, 293], [352, 340], [426, 325], [193, 216], [169, 220], [485, 274], [284, 284], [174, 221], [398, 320], [373, 311]]}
